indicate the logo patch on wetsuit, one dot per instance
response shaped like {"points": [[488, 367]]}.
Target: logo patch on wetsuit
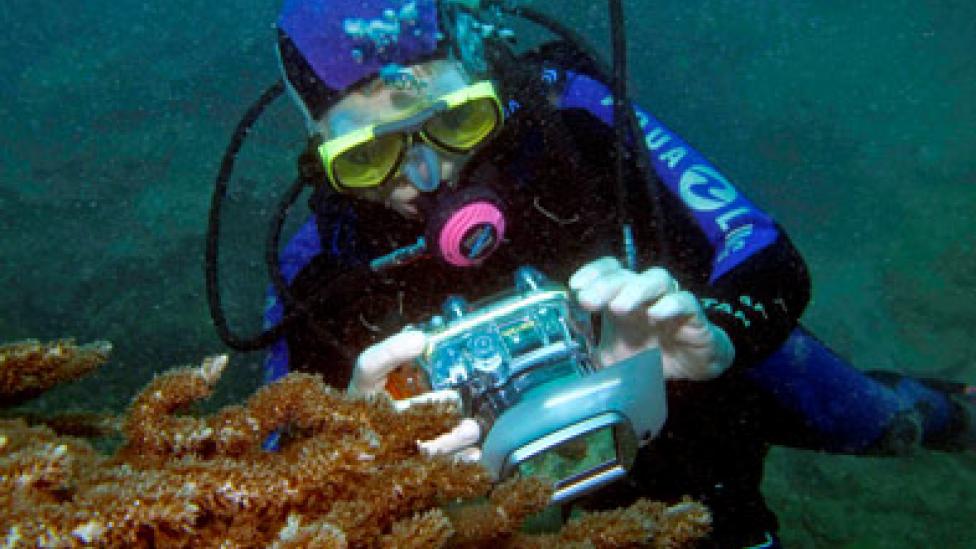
{"points": [[706, 190]]}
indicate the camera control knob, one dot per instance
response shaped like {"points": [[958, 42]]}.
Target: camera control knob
{"points": [[481, 346], [455, 307], [528, 279], [486, 356]]}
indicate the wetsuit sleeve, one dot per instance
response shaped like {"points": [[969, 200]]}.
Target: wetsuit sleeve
{"points": [[753, 282], [325, 269], [303, 247], [758, 302]]}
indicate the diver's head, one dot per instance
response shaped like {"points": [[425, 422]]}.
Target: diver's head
{"points": [[406, 133], [397, 97]]}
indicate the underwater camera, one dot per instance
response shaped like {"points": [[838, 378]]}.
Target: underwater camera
{"points": [[525, 367]]}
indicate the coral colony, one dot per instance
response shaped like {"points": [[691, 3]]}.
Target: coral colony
{"points": [[348, 474], [28, 368]]}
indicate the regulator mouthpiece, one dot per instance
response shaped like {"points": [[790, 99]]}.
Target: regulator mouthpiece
{"points": [[464, 228], [471, 234]]}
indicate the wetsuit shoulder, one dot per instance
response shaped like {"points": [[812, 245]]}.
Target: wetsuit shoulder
{"points": [[751, 279]]}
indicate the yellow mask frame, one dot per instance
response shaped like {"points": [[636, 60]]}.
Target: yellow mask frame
{"points": [[454, 123]]}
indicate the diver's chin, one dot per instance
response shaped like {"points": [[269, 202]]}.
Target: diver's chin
{"points": [[414, 204]]}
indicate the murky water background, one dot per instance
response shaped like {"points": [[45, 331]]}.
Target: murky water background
{"points": [[855, 123]]}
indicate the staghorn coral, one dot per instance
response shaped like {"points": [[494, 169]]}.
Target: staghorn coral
{"points": [[318, 534], [349, 474], [29, 367], [645, 523], [497, 519], [76, 424]]}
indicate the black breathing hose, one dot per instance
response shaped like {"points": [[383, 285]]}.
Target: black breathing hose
{"points": [[293, 310], [213, 228], [278, 281], [565, 33], [620, 107]]}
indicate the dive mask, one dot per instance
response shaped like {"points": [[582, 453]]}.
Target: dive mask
{"points": [[523, 364], [371, 156]]}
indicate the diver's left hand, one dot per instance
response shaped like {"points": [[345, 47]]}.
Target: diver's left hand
{"points": [[369, 377], [647, 310]]}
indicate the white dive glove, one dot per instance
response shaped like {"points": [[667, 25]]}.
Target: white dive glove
{"points": [[369, 377], [649, 309]]}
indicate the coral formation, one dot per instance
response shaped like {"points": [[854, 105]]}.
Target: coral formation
{"points": [[77, 424], [348, 474], [30, 367]]}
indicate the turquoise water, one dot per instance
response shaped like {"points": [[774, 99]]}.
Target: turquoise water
{"points": [[854, 122]]}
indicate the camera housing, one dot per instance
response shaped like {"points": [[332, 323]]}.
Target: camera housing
{"points": [[524, 365], [495, 351]]}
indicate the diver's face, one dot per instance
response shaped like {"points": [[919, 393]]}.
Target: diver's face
{"points": [[378, 103]]}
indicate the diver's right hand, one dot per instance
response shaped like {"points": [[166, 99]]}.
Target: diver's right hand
{"points": [[369, 377]]}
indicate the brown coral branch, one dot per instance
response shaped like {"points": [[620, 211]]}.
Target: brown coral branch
{"points": [[30, 367], [152, 429], [643, 524], [349, 474], [74, 424], [421, 531], [510, 503], [320, 534]]}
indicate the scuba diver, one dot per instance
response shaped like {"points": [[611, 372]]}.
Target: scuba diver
{"points": [[441, 162]]}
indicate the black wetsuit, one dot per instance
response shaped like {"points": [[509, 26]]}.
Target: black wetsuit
{"points": [[555, 169]]}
